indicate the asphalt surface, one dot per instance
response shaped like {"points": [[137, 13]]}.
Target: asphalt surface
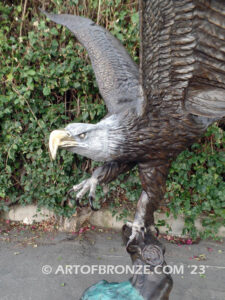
{"points": [[25, 253]]}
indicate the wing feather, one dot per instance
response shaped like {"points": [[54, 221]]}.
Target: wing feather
{"points": [[183, 56], [116, 73]]}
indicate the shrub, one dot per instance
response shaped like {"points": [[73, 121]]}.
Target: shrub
{"points": [[47, 82], [196, 185]]}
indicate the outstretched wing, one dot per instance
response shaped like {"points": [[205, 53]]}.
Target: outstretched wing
{"points": [[183, 56], [116, 73]]}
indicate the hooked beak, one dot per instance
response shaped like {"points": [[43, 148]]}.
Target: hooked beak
{"points": [[60, 138]]}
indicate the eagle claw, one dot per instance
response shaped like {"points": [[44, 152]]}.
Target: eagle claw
{"points": [[88, 184], [78, 203], [136, 230], [91, 199]]}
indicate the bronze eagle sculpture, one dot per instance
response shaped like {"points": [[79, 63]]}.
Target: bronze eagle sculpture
{"points": [[156, 110]]}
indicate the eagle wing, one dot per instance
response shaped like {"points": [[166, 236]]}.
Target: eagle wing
{"points": [[116, 73], [183, 56]]}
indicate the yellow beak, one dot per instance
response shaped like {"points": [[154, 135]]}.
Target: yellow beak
{"points": [[60, 138]]}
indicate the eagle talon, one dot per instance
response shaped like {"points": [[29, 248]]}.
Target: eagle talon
{"points": [[81, 189], [136, 231], [71, 199], [157, 231], [62, 204], [69, 192], [78, 203], [91, 204], [68, 201]]}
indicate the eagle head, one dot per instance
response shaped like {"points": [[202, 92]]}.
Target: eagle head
{"points": [[89, 140]]}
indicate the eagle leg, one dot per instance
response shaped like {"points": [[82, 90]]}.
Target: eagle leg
{"points": [[102, 175], [138, 225], [153, 181], [85, 186]]}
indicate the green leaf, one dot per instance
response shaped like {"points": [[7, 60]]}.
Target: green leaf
{"points": [[10, 77], [46, 91]]}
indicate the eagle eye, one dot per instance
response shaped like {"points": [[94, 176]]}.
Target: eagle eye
{"points": [[82, 136]]}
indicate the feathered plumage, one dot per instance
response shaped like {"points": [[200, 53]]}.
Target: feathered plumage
{"points": [[158, 110], [154, 113]]}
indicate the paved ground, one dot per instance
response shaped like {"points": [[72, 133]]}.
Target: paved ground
{"points": [[23, 253]]}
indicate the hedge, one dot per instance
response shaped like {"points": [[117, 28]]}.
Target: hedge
{"points": [[47, 81]]}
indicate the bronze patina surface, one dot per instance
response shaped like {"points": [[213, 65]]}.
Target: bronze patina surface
{"points": [[154, 111]]}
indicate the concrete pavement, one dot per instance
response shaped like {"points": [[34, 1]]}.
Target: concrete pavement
{"points": [[24, 255]]}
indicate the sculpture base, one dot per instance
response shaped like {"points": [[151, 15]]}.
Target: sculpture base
{"points": [[146, 252], [107, 291]]}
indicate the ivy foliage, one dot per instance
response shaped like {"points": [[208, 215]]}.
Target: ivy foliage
{"points": [[47, 82], [196, 184]]}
